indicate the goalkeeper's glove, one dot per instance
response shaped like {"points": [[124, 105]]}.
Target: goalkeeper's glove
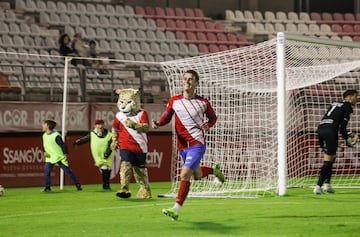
{"points": [[351, 140]]}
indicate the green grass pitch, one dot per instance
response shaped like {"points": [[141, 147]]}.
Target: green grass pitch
{"points": [[93, 212]]}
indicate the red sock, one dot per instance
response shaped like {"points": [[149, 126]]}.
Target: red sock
{"points": [[183, 192], [206, 171]]}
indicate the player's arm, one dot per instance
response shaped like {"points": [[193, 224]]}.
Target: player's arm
{"points": [[83, 140], [210, 114], [343, 125], [61, 143], [166, 116], [108, 149]]}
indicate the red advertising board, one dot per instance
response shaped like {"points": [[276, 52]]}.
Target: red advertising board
{"points": [[22, 160]]}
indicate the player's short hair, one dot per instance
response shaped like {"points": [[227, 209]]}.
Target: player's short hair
{"points": [[194, 73], [349, 92], [51, 124]]}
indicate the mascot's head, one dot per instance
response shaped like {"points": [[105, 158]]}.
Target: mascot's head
{"points": [[129, 101]]}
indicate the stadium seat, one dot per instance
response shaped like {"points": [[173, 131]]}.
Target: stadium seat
{"points": [[174, 48], [90, 32], [170, 12], [347, 38], [269, 27], [350, 17], [84, 20], [282, 17], [111, 33], [279, 27], [348, 28], [125, 47], [203, 49], [101, 11], [221, 37], [192, 37], [160, 12], [95, 21], [150, 11], [326, 29], [199, 13], [145, 47], [179, 12], [339, 17], [121, 34], [327, 17], [180, 24], [230, 15], [213, 48], [151, 24], [239, 16], [128, 10], [200, 25], [151, 36], [191, 25], [315, 16], [270, 17], [131, 34], [291, 28], [161, 23], [314, 29], [81, 8], [336, 28], [258, 16], [170, 23], [189, 12], [304, 16], [123, 22], [4, 28], [294, 17], [155, 48], [223, 47], [160, 35]]}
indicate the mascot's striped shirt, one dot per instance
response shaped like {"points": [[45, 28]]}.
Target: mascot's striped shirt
{"points": [[130, 139], [189, 115]]}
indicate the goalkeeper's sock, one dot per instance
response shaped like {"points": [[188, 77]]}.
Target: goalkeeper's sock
{"points": [[324, 173], [328, 175], [206, 171], [183, 192]]}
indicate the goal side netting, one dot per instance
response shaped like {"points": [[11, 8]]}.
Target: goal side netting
{"points": [[241, 85]]}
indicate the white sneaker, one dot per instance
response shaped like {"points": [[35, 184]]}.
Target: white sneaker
{"points": [[327, 188], [318, 190]]}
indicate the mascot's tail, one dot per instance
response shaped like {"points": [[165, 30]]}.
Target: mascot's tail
{"points": [[115, 167]]}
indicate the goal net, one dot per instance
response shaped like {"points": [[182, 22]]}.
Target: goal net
{"points": [[242, 86]]}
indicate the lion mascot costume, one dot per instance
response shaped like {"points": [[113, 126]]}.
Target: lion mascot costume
{"points": [[129, 135]]}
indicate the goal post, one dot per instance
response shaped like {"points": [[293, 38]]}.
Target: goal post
{"points": [[269, 99]]}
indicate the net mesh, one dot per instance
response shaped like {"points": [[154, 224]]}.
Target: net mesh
{"points": [[241, 86]]}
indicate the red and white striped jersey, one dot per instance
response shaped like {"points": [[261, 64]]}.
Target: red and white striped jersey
{"points": [[129, 138], [190, 114]]}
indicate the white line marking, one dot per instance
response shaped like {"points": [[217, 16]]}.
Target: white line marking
{"points": [[96, 209]]}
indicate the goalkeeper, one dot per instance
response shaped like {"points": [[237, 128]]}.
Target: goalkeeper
{"points": [[194, 115], [336, 118]]}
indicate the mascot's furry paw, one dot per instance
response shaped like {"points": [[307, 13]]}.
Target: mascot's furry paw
{"points": [[123, 193], [144, 193], [129, 123]]}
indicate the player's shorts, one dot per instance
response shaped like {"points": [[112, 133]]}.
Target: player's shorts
{"points": [[328, 140], [135, 159], [192, 156]]}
